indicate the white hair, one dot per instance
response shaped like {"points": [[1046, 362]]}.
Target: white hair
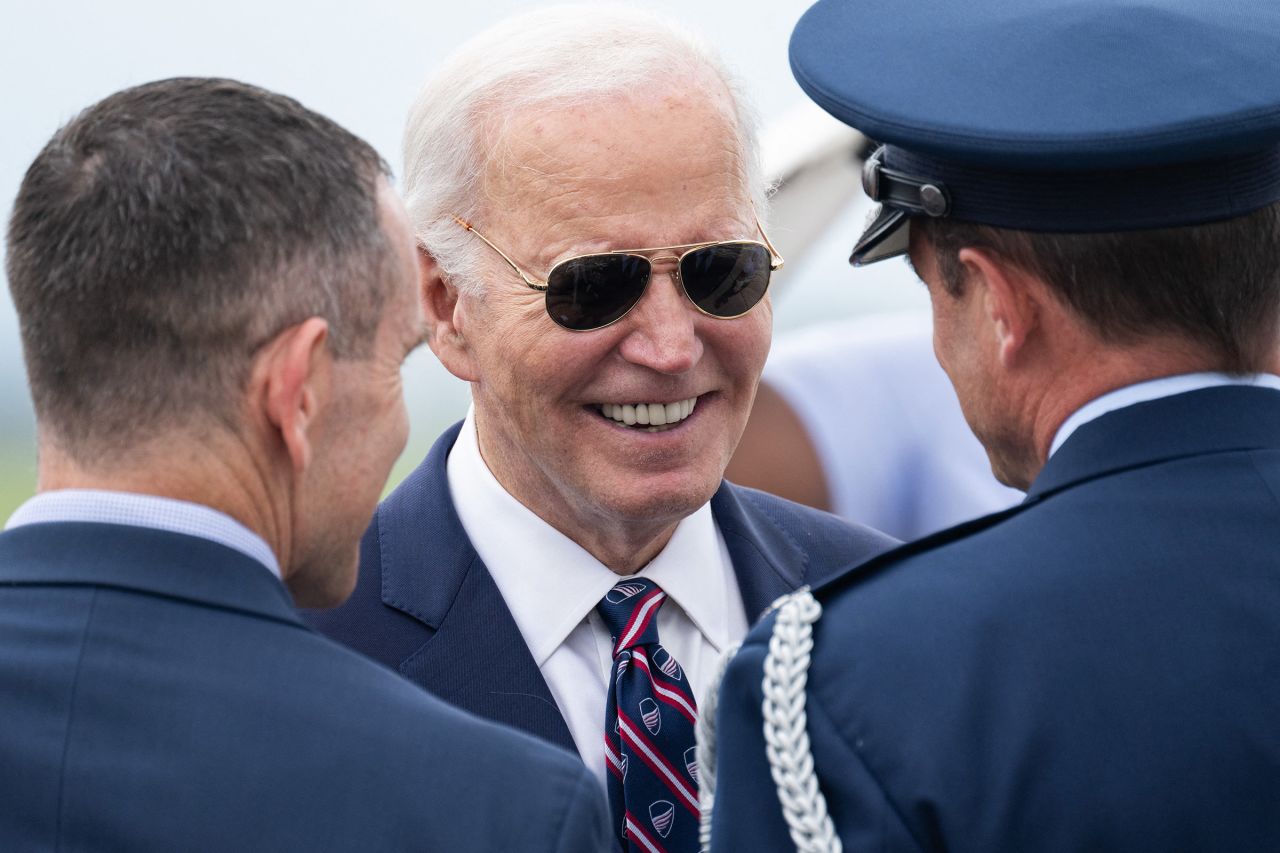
{"points": [[565, 54]]}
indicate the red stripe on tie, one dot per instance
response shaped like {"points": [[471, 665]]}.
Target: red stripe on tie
{"points": [[611, 759], [670, 695], [634, 831], [639, 621], [658, 764]]}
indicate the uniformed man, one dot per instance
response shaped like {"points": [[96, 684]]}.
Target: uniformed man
{"points": [[1089, 192]]}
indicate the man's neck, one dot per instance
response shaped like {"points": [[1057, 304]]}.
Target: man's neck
{"points": [[629, 552], [624, 546], [1100, 372], [623, 543], [207, 473]]}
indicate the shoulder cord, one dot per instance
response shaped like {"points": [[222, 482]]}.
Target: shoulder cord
{"points": [[786, 741], [786, 672], [707, 750]]}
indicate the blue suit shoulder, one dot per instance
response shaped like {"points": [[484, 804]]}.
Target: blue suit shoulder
{"points": [[818, 531], [163, 664], [1022, 681], [407, 742], [827, 544]]}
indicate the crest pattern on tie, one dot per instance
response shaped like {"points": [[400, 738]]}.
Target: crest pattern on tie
{"points": [[649, 728]]}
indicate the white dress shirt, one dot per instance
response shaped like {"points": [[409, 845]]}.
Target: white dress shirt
{"points": [[1154, 389], [552, 586], [134, 510]]}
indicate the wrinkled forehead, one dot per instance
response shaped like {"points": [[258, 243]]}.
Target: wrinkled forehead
{"points": [[672, 147]]}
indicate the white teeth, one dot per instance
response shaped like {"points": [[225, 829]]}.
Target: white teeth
{"points": [[652, 415]]}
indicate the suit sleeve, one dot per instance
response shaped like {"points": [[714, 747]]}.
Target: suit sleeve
{"points": [[586, 819], [747, 813]]}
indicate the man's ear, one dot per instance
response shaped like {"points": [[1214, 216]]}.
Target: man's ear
{"points": [[1010, 298], [295, 372], [443, 312]]}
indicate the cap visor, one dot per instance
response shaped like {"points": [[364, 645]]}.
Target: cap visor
{"points": [[885, 237]]}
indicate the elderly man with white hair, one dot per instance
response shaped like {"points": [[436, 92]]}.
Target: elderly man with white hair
{"points": [[585, 189]]}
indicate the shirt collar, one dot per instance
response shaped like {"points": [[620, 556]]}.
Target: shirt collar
{"points": [[689, 570], [1154, 389], [550, 583], [136, 510]]}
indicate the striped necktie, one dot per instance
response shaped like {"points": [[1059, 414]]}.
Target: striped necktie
{"points": [[649, 728]]}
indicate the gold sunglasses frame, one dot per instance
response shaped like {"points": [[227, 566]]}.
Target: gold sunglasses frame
{"points": [[775, 263]]}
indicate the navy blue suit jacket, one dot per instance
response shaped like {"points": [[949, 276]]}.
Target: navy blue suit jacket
{"points": [[159, 692], [426, 604], [1097, 669]]}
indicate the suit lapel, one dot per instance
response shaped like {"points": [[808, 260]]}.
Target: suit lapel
{"points": [[477, 659], [766, 562]]}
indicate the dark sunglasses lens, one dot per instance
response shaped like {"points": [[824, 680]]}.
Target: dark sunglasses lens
{"points": [[727, 279], [594, 290]]}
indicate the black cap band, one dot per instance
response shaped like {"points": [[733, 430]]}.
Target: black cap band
{"points": [[1060, 202], [1094, 201]]}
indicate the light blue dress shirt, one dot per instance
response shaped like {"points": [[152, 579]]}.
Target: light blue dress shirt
{"points": [[1154, 389], [174, 516]]}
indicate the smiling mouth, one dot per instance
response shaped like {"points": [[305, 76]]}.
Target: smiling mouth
{"points": [[651, 417]]}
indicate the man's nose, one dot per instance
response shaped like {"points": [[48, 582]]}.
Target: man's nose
{"points": [[662, 327]]}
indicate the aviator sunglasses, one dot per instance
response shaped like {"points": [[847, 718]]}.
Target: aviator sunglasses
{"points": [[722, 278]]}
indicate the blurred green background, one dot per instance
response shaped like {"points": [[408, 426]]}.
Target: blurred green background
{"points": [[435, 401], [17, 474]]}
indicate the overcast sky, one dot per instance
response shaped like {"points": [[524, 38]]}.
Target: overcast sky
{"points": [[360, 66]]}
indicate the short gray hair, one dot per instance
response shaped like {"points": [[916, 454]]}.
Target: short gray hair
{"points": [[166, 233], [560, 54]]}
